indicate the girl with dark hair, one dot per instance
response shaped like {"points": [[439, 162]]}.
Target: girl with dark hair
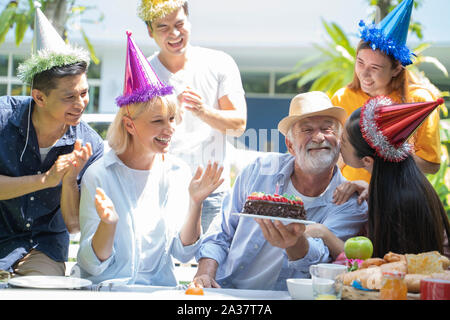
{"points": [[405, 214]]}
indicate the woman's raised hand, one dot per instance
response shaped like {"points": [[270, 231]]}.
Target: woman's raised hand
{"points": [[202, 185], [105, 207]]}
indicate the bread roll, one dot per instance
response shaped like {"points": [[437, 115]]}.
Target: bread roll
{"points": [[425, 263], [375, 279], [364, 276], [394, 257], [372, 262], [445, 262], [413, 281], [400, 266], [445, 275]]}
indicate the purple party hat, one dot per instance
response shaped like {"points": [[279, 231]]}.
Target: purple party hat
{"points": [[141, 82]]}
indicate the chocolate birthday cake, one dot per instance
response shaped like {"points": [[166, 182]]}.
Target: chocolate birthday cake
{"points": [[283, 206]]}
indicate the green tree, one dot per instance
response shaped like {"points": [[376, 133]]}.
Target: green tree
{"points": [[64, 15], [332, 68]]}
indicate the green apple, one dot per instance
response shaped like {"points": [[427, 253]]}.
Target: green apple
{"points": [[358, 248]]}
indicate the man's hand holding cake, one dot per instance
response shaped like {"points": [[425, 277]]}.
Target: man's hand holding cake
{"points": [[258, 253], [289, 237]]}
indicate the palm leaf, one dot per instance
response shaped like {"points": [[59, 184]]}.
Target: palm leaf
{"points": [[21, 27], [421, 48], [90, 47], [329, 53], [322, 83], [343, 39], [433, 61], [306, 60], [345, 53], [311, 74], [6, 20], [445, 130], [335, 84], [290, 77], [331, 32]]}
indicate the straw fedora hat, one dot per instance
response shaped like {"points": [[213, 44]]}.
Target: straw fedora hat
{"points": [[310, 104]]}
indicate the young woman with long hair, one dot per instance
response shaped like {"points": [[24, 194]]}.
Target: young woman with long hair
{"points": [[405, 214]]}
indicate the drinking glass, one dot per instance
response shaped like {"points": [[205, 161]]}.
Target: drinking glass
{"points": [[326, 285]]}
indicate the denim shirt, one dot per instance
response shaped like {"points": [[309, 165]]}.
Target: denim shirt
{"points": [[234, 241], [34, 220]]}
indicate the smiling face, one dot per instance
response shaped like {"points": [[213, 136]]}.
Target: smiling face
{"points": [[152, 129], [314, 142], [171, 33], [375, 71], [66, 103]]}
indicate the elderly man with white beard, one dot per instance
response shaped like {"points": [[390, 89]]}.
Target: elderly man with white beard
{"points": [[252, 253]]}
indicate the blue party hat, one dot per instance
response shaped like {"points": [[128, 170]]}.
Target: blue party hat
{"points": [[390, 34]]}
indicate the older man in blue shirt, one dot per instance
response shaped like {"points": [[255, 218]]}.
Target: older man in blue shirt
{"points": [[246, 253]]}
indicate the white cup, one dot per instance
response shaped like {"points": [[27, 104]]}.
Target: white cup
{"points": [[324, 283], [300, 289]]}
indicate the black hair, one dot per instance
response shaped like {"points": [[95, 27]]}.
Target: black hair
{"points": [[405, 212], [47, 80]]}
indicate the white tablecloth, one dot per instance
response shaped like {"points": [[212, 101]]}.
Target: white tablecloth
{"points": [[136, 292]]}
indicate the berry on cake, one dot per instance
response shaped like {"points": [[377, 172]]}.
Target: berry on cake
{"points": [[283, 206]]}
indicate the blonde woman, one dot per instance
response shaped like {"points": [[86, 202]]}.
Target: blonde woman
{"points": [[139, 206]]}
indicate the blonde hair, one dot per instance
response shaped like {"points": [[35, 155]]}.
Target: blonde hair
{"points": [[119, 139]]}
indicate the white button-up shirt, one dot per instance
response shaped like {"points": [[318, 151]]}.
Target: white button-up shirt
{"points": [[152, 206]]}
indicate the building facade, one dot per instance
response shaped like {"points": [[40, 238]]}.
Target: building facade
{"points": [[266, 39]]}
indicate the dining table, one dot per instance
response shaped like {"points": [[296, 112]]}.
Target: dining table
{"points": [[172, 302], [112, 291]]}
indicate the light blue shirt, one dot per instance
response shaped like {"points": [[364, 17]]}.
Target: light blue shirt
{"points": [[236, 242], [138, 257]]}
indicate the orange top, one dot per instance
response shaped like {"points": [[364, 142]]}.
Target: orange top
{"points": [[426, 139]]}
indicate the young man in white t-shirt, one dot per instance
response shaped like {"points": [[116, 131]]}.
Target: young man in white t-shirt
{"points": [[209, 88]]}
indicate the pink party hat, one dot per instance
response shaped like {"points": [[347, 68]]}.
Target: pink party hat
{"points": [[141, 82]]}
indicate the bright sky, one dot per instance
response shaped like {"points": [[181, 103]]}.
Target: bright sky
{"points": [[263, 22], [255, 22]]}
